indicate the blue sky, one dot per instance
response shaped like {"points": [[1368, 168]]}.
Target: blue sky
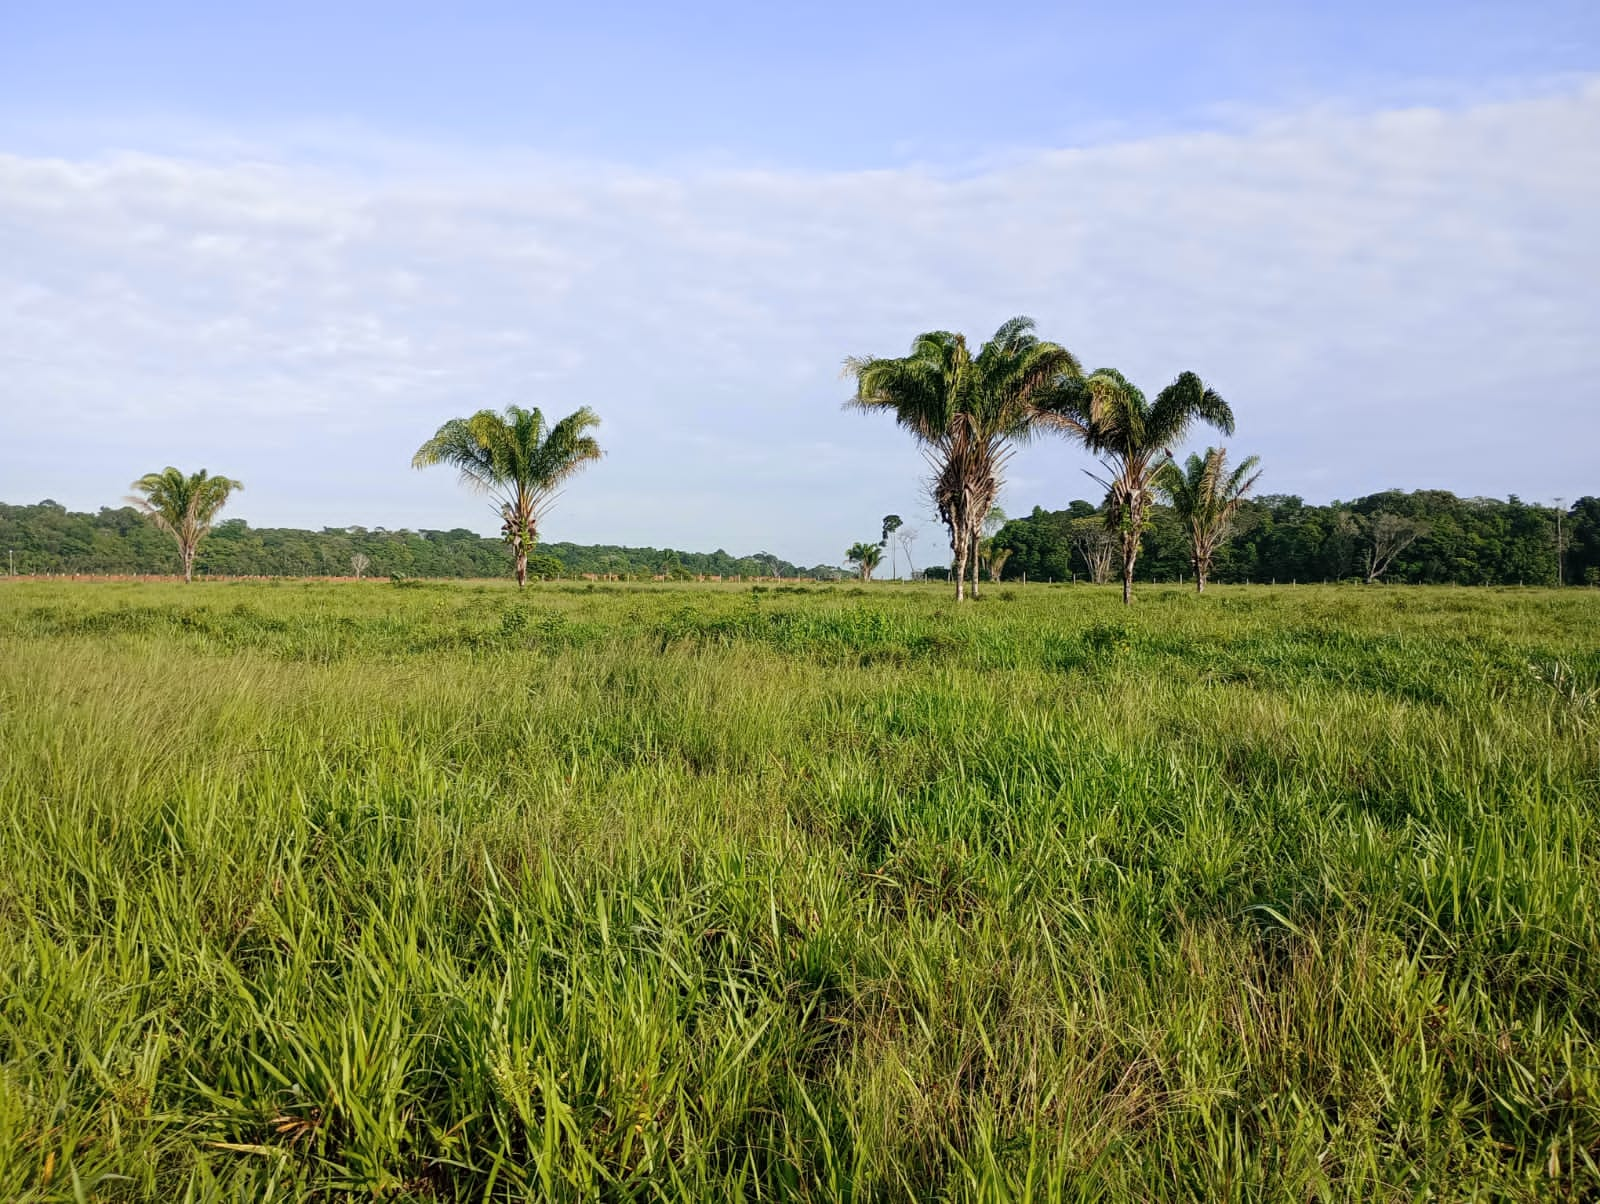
{"points": [[285, 242]]}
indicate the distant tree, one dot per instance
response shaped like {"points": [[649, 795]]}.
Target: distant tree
{"points": [[359, 564], [1111, 417], [891, 524], [1097, 545], [866, 557], [183, 506], [519, 461], [1205, 496], [1562, 534], [1342, 544], [545, 567], [966, 411], [906, 537], [1387, 536], [993, 558], [1583, 541], [995, 561]]}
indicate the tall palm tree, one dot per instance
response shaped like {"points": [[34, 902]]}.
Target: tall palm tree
{"points": [[1205, 495], [866, 557], [967, 412], [1110, 416], [183, 506], [518, 460], [891, 524]]}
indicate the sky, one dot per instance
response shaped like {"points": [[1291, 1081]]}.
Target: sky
{"points": [[284, 242]]}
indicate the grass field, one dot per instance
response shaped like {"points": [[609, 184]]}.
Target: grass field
{"points": [[826, 894]]}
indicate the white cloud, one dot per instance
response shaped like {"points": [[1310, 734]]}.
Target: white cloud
{"points": [[1403, 298]]}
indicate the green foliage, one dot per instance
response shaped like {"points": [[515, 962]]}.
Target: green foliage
{"points": [[518, 459], [1132, 435], [544, 567], [685, 892], [966, 411], [184, 506], [47, 538], [865, 556], [1205, 496], [1469, 541]]}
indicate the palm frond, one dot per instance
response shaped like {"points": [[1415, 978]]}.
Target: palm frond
{"points": [[1182, 403]]}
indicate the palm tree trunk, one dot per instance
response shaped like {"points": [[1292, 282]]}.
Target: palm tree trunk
{"points": [[960, 542], [522, 567], [1130, 545], [187, 553], [972, 544]]}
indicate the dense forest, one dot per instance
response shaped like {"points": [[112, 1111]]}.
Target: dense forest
{"points": [[1447, 539], [48, 538], [1429, 536]]}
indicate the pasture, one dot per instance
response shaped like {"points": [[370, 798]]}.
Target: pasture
{"points": [[443, 891]]}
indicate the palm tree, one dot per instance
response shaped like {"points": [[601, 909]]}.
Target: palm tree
{"points": [[1205, 496], [994, 559], [967, 412], [991, 558], [518, 460], [1110, 416], [866, 557], [183, 507]]}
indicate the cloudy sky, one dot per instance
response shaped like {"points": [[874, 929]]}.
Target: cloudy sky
{"points": [[284, 244]]}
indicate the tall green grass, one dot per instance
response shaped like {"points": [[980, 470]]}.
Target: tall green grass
{"points": [[829, 894]]}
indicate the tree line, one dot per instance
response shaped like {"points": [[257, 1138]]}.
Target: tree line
{"points": [[518, 459], [1468, 541], [48, 538], [1429, 536]]}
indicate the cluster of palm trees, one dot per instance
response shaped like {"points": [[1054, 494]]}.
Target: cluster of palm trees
{"points": [[969, 411]]}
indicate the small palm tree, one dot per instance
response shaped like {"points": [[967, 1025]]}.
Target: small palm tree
{"points": [[992, 559], [1205, 496], [183, 506], [967, 411], [1131, 434], [518, 460], [866, 557]]}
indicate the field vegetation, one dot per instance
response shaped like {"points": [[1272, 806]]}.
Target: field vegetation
{"points": [[804, 893]]}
